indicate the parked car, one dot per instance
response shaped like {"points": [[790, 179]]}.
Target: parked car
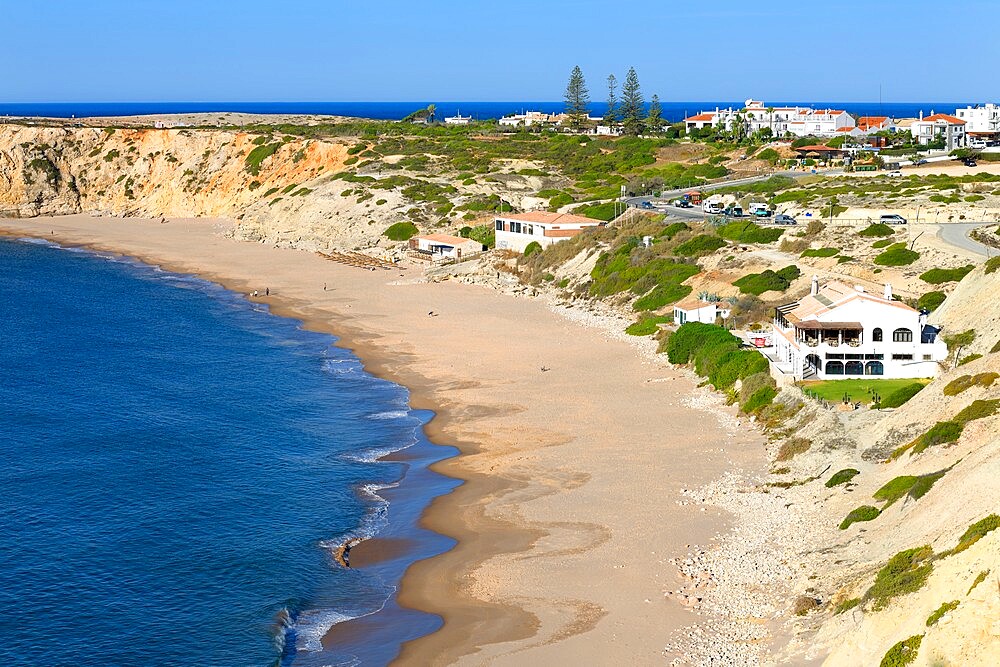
{"points": [[646, 204], [782, 219], [683, 203], [734, 211], [895, 173], [893, 219], [977, 143], [920, 162], [969, 162], [759, 210]]}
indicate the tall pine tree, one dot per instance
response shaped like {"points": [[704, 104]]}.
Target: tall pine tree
{"points": [[632, 104], [611, 115], [577, 98], [654, 118]]}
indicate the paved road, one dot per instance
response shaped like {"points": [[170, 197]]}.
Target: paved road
{"points": [[957, 234]]}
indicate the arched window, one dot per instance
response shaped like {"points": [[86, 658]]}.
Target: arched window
{"points": [[902, 336], [876, 335], [834, 368], [874, 368], [854, 368], [814, 361]]}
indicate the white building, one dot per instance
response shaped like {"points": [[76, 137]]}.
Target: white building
{"points": [[981, 121], [839, 331], [756, 116], [514, 231], [926, 130], [458, 119], [529, 118], [444, 246], [693, 309]]}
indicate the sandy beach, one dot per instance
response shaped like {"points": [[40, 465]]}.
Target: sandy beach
{"points": [[577, 445]]}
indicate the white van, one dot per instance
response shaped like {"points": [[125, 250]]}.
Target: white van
{"points": [[893, 219], [977, 143], [713, 207]]}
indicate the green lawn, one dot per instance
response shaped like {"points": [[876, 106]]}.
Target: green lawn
{"points": [[859, 389]]}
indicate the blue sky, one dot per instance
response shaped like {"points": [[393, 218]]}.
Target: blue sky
{"points": [[389, 50]]}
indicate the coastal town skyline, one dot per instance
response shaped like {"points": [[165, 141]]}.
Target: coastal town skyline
{"points": [[121, 52]]}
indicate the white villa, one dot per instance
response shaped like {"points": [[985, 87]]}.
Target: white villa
{"points": [[529, 118], [444, 246], [981, 121], [800, 121], [839, 331], [514, 231], [926, 130], [693, 309]]}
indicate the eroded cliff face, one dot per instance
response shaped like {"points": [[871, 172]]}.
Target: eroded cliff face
{"points": [[285, 193]]}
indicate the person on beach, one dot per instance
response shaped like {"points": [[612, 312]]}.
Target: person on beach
{"points": [[324, 287], [255, 294], [346, 556], [267, 291]]}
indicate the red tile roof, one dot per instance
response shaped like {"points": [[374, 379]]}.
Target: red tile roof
{"points": [[544, 218], [702, 117], [945, 117]]}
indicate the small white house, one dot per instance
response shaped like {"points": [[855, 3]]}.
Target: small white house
{"points": [[444, 246], [839, 331], [693, 309], [458, 119], [952, 129], [514, 231]]}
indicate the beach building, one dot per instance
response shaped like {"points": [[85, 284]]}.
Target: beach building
{"points": [[693, 309], [981, 121], [871, 124], [514, 231], [839, 331], [444, 246], [529, 118], [458, 119], [937, 126]]}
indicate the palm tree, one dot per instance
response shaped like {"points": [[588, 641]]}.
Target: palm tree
{"points": [[431, 109]]}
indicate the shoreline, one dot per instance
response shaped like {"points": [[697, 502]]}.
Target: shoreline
{"points": [[520, 502]]}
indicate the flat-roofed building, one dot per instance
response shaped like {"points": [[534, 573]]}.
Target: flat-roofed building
{"points": [[514, 231]]}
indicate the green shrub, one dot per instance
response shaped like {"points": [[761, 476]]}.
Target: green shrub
{"points": [[660, 296], [896, 256], [693, 336], [941, 611], [604, 212], [938, 276], [980, 578], [882, 243], [715, 352], [532, 248], [768, 280], [759, 399], [401, 231], [842, 477], [876, 229], [703, 244], [924, 484], [977, 410], [901, 395], [863, 513], [904, 573], [895, 489], [258, 155], [969, 358], [672, 230], [991, 265], [902, 653], [976, 532], [960, 384], [647, 325], [749, 232], [820, 252], [939, 434], [962, 339], [847, 605], [931, 300]]}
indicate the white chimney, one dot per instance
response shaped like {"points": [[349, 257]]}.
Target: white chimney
{"points": [[859, 288], [888, 292], [921, 114], [815, 286]]}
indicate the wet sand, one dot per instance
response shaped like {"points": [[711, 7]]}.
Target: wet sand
{"points": [[569, 513]]}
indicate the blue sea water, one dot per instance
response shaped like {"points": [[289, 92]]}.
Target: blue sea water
{"points": [[176, 466], [672, 111]]}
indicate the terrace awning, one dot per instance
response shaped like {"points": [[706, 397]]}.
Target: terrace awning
{"points": [[812, 325]]}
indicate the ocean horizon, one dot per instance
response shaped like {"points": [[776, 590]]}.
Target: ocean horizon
{"points": [[180, 467], [672, 111]]}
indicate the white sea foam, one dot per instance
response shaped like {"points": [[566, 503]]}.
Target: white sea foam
{"points": [[390, 414], [342, 366], [43, 242], [313, 624]]}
